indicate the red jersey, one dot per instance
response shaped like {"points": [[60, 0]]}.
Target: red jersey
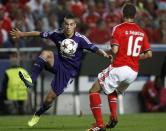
{"points": [[132, 41]]}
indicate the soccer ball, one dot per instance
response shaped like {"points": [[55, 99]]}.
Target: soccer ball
{"points": [[68, 46]]}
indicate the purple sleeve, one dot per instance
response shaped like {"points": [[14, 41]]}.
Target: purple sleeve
{"points": [[48, 35], [86, 44]]}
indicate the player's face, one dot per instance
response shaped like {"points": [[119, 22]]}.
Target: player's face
{"points": [[69, 26]]}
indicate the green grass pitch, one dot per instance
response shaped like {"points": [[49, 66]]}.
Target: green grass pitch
{"points": [[129, 122]]}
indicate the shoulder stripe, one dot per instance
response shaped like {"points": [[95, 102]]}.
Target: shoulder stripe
{"points": [[114, 28], [83, 36], [60, 30]]}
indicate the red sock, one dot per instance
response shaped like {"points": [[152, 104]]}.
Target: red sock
{"points": [[112, 100], [95, 104]]}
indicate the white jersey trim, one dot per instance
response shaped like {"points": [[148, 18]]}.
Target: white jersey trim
{"points": [[115, 27], [84, 37], [59, 31]]}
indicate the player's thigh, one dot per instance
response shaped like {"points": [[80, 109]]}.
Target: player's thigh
{"points": [[122, 87], [48, 56], [95, 87]]}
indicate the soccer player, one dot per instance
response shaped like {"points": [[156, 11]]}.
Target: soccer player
{"points": [[63, 66], [129, 44]]}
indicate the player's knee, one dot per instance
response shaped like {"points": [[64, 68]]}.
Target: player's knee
{"points": [[50, 99], [95, 88], [46, 54], [92, 90]]}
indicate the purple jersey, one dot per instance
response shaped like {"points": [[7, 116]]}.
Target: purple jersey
{"points": [[70, 63], [66, 66]]}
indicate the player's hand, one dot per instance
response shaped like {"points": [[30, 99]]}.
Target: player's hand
{"points": [[16, 33], [111, 58]]}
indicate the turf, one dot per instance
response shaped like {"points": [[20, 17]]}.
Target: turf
{"points": [[130, 122]]}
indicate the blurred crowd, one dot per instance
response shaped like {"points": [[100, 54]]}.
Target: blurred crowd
{"points": [[153, 94], [95, 18]]}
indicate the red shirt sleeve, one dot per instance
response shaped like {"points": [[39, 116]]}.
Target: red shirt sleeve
{"points": [[145, 45], [114, 37]]}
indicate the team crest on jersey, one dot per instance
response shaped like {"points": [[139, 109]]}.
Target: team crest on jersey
{"points": [[45, 34]]}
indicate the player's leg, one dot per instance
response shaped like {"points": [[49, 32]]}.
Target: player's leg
{"points": [[109, 81], [47, 103], [46, 57], [60, 81], [95, 105], [112, 102], [44, 107]]}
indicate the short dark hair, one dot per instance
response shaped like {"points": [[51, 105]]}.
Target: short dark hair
{"points": [[129, 11], [70, 16]]}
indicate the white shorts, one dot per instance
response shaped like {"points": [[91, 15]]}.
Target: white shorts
{"points": [[116, 78]]}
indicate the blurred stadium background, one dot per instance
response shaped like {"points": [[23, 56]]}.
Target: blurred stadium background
{"points": [[95, 19]]}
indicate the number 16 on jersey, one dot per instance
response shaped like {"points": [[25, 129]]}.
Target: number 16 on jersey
{"points": [[133, 46]]}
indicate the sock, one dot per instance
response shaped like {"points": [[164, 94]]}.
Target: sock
{"points": [[112, 100], [37, 68], [45, 106], [95, 104]]}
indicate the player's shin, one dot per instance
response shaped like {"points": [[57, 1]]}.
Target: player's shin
{"points": [[95, 104], [37, 67], [112, 100], [44, 107]]}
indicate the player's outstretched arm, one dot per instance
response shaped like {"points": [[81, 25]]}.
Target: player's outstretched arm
{"points": [[103, 53], [112, 52], [16, 34]]}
